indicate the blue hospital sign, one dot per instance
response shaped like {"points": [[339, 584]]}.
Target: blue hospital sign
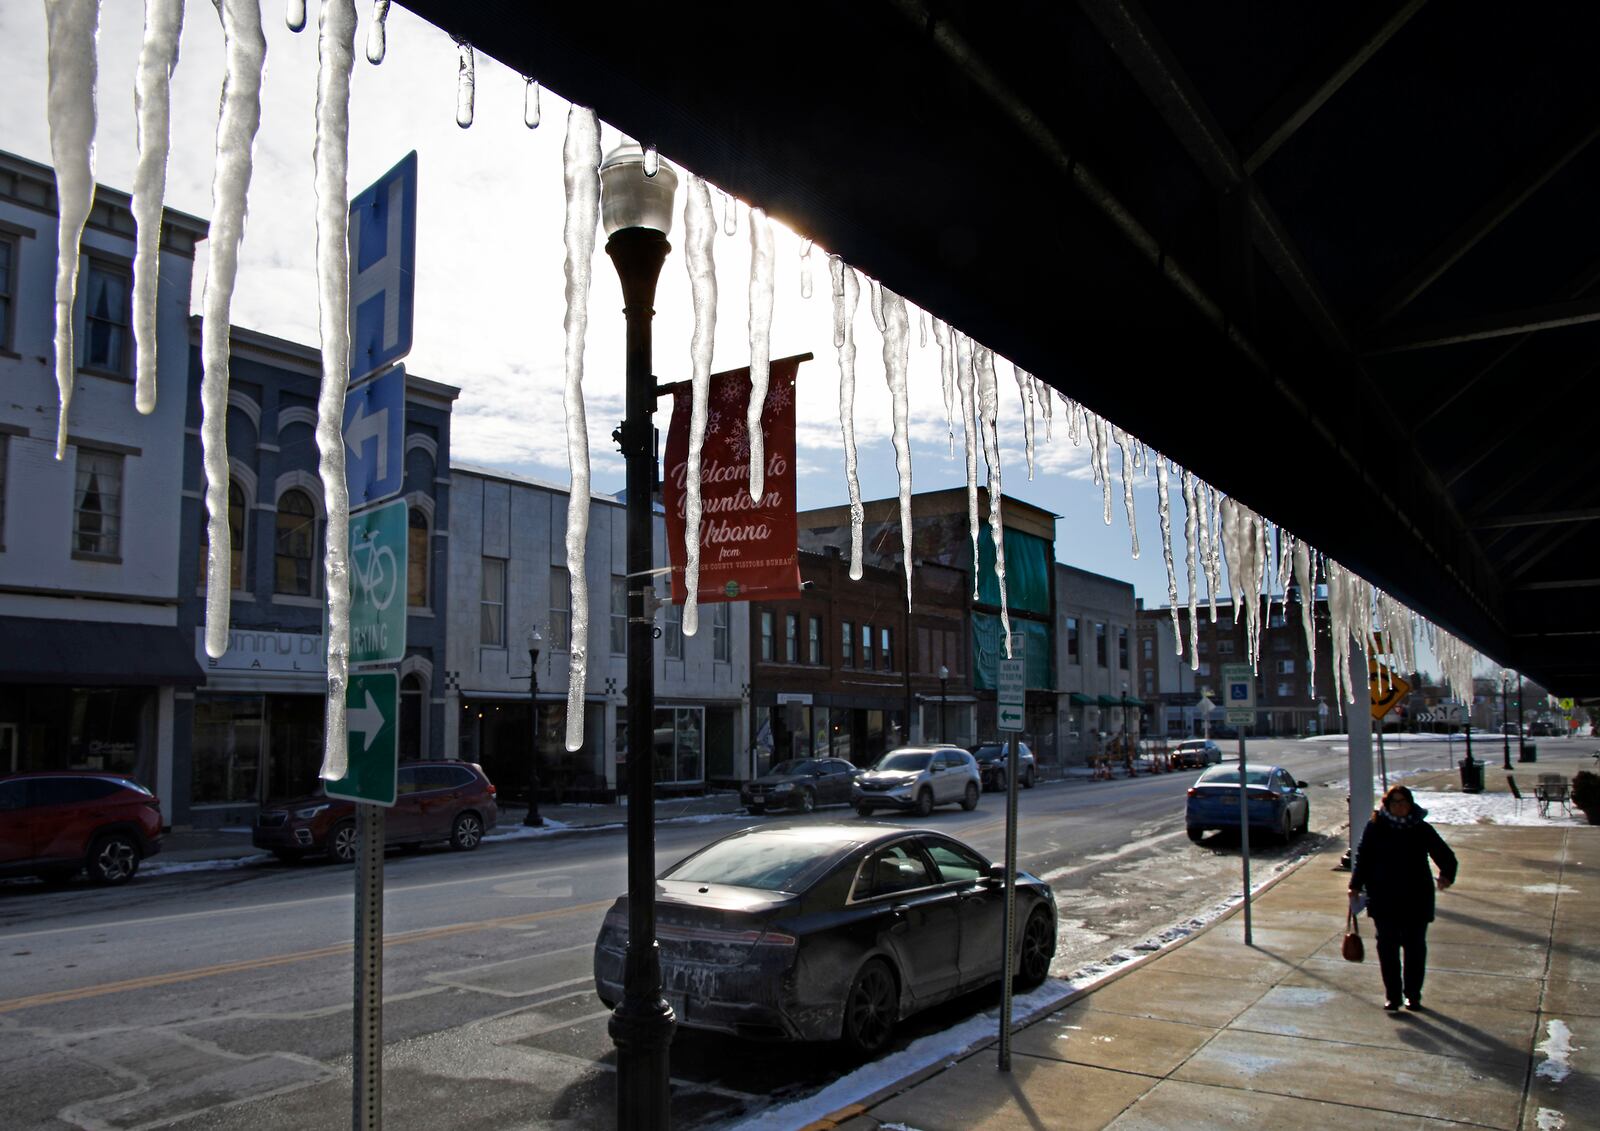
{"points": [[383, 261]]}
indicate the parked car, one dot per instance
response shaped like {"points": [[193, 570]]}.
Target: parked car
{"points": [[800, 783], [993, 758], [1276, 801], [820, 932], [54, 824], [1196, 753], [917, 778], [451, 801]]}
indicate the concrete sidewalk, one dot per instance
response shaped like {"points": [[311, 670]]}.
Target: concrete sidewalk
{"points": [[1287, 1034]]}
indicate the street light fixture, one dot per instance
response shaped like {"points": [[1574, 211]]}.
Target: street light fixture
{"points": [[533, 820], [636, 211], [944, 676]]}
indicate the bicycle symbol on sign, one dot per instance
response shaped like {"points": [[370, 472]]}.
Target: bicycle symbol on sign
{"points": [[376, 580]]}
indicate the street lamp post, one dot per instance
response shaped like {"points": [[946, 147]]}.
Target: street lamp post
{"points": [[532, 819], [1505, 719], [637, 214], [944, 677]]}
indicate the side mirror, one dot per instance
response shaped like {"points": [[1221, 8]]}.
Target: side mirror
{"points": [[1300, 785], [997, 872], [818, 773]]}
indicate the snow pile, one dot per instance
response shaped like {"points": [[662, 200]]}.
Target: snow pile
{"points": [[1489, 809], [1556, 1049]]}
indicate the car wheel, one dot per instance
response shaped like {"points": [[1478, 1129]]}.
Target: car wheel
{"points": [[467, 832], [1038, 948], [1305, 822], [808, 801], [113, 859], [1000, 783], [1027, 781], [286, 855], [343, 842], [863, 810], [1195, 834], [969, 799], [1286, 827], [870, 1009], [925, 803]]}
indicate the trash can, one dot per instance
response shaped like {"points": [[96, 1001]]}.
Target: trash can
{"points": [[1471, 776], [1530, 752]]}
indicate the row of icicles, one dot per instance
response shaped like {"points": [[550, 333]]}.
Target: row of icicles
{"points": [[1218, 531]]}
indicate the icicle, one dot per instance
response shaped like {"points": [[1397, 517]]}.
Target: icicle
{"points": [[1102, 455], [805, 268], [377, 38], [846, 295], [1306, 583], [1074, 422], [466, 86], [71, 27], [295, 15], [988, 411], [1025, 391], [1121, 438], [760, 345], [580, 173], [922, 329], [1164, 502], [1213, 506], [875, 291], [947, 379], [530, 103], [1191, 525], [730, 214], [651, 164], [152, 103], [1285, 570], [700, 235], [896, 358], [964, 386], [1341, 611], [240, 115], [336, 38], [1041, 394]]}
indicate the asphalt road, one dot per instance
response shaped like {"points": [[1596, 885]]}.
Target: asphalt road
{"points": [[221, 999]]}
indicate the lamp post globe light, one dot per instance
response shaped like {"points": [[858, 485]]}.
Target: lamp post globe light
{"points": [[944, 676], [636, 212], [533, 819]]}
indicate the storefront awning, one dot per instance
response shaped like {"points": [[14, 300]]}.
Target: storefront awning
{"points": [[1078, 699], [91, 653], [1109, 701], [1132, 702]]}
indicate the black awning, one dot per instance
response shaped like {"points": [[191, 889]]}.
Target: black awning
{"points": [[83, 652]]}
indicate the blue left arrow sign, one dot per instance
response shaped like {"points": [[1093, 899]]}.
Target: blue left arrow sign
{"points": [[374, 438]]}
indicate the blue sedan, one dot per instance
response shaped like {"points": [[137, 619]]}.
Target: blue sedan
{"points": [[1276, 801]]}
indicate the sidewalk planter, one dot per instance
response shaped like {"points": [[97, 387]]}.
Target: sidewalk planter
{"points": [[1586, 794], [1471, 776], [1529, 753]]}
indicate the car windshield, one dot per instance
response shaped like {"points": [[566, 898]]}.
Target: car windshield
{"points": [[770, 863], [989, 753], [1220, 776], [794, 766], [904, 760]]}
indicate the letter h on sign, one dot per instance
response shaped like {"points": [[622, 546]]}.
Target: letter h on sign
{"points": [[383, 260]]}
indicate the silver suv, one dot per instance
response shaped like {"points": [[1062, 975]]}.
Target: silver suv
{"points": [[917, 778]]}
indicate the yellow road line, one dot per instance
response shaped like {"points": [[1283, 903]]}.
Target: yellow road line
{"points": [[58, 997]]}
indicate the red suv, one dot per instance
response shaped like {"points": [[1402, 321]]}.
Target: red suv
{"points": [[52, 824], [450, 801]]}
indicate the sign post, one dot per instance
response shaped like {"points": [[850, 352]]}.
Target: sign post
{"points": [[1011, 689], [1239, 692]]}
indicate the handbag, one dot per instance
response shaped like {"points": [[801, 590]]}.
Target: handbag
{"points": [[1353, 949]]}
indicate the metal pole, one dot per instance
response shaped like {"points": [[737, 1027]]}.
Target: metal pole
{"points": [[1244, 839], [1010, 942], [367, 1094], [1505, 717], [905, 653], [643, 1024], [532, 819], [942, 683], [1383, 758], [1522, 734]]}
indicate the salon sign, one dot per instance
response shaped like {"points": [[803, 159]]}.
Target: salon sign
{"points": [[283, 653]]}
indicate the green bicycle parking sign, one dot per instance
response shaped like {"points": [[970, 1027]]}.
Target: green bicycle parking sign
{"points": [[378, 584]]}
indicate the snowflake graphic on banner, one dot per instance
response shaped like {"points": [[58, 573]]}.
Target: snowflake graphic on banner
{"points": [[778, 398], [739, 440], [730, 394]]}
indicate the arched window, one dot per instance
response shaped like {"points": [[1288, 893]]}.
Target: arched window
{"points": [[417, 559], [411, 716], [296, 544], [237, 512]]}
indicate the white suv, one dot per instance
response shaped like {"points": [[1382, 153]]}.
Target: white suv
{"points": [[917, 778]]}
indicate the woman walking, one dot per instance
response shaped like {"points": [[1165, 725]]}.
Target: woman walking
{"points": [[1391, 867]]}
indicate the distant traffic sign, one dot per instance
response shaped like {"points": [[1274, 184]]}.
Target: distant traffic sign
{"points": [[372, 715], [378, 584], [375, 438], [383, 269], [1239, 692], [1011, 693], [1388, 689]]}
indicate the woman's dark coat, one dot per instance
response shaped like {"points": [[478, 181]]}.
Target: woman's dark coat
{"points": [[1392, 868]]}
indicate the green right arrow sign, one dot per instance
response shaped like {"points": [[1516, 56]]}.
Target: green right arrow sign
{"points": [[372, 711]]}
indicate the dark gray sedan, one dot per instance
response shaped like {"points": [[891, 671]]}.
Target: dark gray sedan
{"points": [[800, 783], [823, 932]]}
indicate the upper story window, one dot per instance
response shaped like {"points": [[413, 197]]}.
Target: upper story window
{"points": [[814, 641], [791, 637], [105, 317], [847, 644], [1148, 678], [296, 544], [1285, 667], [672, 632], [97, 504], [766, 635], [5, 454], [722, 632], [886, 648], [8, 290], [1122, 648], [560, 610], [619, 616], [416, 559], [1072, 641], [1100, 644], [237, 510], [1147, 648], [866, 646], [492, 604], [1224, 647]]}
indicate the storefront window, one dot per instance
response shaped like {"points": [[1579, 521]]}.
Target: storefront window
{"points": [[680, 744], [228, 733]]}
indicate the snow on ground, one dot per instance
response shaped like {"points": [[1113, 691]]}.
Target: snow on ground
{"points": [[1490, 809], [1556, 1049]]}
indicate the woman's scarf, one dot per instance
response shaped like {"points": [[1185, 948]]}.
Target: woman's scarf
{"points": [[1410, 820]]}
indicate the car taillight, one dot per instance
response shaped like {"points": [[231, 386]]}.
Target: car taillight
{"points": [[1193, 791], [770, 937], [492, 790]]}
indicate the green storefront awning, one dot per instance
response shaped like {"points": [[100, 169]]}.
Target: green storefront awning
{"points": [[1132, 702], [1078, 699], [1108, 701]]}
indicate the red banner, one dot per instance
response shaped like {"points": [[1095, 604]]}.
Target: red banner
{"points": [[747, 547]]}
